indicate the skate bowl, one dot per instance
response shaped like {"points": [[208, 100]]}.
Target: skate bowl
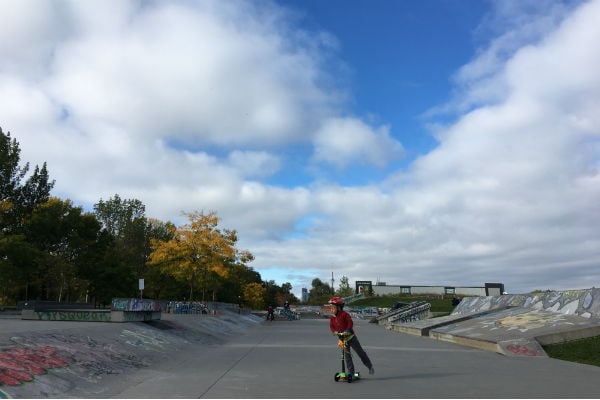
{"points": [[515, 324], [42, 358]]}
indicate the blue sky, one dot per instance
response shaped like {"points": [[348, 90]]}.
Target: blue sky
{"points": [[415, 142], [396, 59]]}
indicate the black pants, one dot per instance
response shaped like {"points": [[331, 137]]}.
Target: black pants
{"points": [[355, 345]]}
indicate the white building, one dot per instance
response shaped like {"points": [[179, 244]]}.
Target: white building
{"points": [[381, 289]]}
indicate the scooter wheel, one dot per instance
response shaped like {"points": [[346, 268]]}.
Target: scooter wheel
{"points": [[336, 377]]}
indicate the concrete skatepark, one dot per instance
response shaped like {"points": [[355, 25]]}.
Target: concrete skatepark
{"points": [[240, 355], [515, 325]]}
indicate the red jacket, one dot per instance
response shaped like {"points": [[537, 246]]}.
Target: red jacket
{"points": [[341, 322]]}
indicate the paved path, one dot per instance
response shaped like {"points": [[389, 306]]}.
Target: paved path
{"points": [[298, 359]]}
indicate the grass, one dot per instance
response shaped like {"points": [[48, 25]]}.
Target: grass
{"points": [[584, 351]]}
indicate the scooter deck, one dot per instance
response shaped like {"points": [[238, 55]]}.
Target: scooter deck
{"points": [[343, 377]]}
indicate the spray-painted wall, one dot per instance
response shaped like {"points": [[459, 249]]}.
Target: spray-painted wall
{"points": [[585, 302]]}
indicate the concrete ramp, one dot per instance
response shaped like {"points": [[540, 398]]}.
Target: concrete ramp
{"points": [[424, 326], [517, 331], [584, 302], [515, 325]]}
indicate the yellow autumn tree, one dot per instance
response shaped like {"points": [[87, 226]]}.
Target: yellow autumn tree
{"points": [[254, 296], [197, 249]]}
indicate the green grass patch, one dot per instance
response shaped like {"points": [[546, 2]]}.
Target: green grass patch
{"points": [[583, 351]]}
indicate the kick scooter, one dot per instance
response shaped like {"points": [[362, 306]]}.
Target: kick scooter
{"points": [[343, 376]]}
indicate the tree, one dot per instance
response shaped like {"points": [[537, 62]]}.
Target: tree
{"points": [[254, 296], [18, 198], [62, 236], [17, 265], [158, 284], [125, 221], [344, 290], [320, 292], [197, 249], [116, 214]]}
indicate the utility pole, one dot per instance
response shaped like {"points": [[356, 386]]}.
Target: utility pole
{"points": [[332, 280]]}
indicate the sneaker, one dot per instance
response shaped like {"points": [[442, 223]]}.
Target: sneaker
{"points": [[371, 371]]}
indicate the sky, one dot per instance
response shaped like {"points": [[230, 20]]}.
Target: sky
{"points": [[430, 142]]}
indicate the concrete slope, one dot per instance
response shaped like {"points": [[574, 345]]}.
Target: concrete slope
{"points": [[40, 359], [517, 331], [515, 324]]}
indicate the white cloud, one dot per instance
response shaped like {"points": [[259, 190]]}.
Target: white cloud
{"points": [[341, 141], [201, 73], [254, 163], [190, 106]]}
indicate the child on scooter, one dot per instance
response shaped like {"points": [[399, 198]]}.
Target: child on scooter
{"points": [[341, 321]]}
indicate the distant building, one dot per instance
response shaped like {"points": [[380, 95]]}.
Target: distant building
{"points": [[381, 289], [304, 295]]}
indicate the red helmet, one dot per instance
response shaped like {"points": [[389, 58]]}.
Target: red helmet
{"points": [[337, 301]]}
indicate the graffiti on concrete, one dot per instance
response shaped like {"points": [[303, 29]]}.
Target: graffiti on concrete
{"points": [[22, 364], [585, 302], [144, 338], [521, 350], [89, 316], [531, 320], [119, 304]]}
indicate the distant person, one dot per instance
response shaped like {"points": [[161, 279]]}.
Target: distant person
{"points": [[270, 313], [286, 306], [455, 301], [341, 322]]}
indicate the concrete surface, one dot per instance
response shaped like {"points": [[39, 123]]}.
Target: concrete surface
{"points": [[241, 356], [584, 302], [515, 325]]}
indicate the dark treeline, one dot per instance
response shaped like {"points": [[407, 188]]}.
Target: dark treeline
{"points": [[51, 249]]}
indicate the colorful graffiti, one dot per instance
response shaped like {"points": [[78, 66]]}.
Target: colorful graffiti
{"points": [[521, 350], [120, 304], [92, 316], [531, 320], [22, 364]]}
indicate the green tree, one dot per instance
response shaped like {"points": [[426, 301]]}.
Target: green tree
{"points": [[158, 284], [124, 220], [19, 196], [232, 285], [116, 215], [62, 236], [320, 292], [344, 290], [17, 266]]}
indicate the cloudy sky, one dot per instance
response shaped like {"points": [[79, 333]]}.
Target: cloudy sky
{"points": [[428, 142]]}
